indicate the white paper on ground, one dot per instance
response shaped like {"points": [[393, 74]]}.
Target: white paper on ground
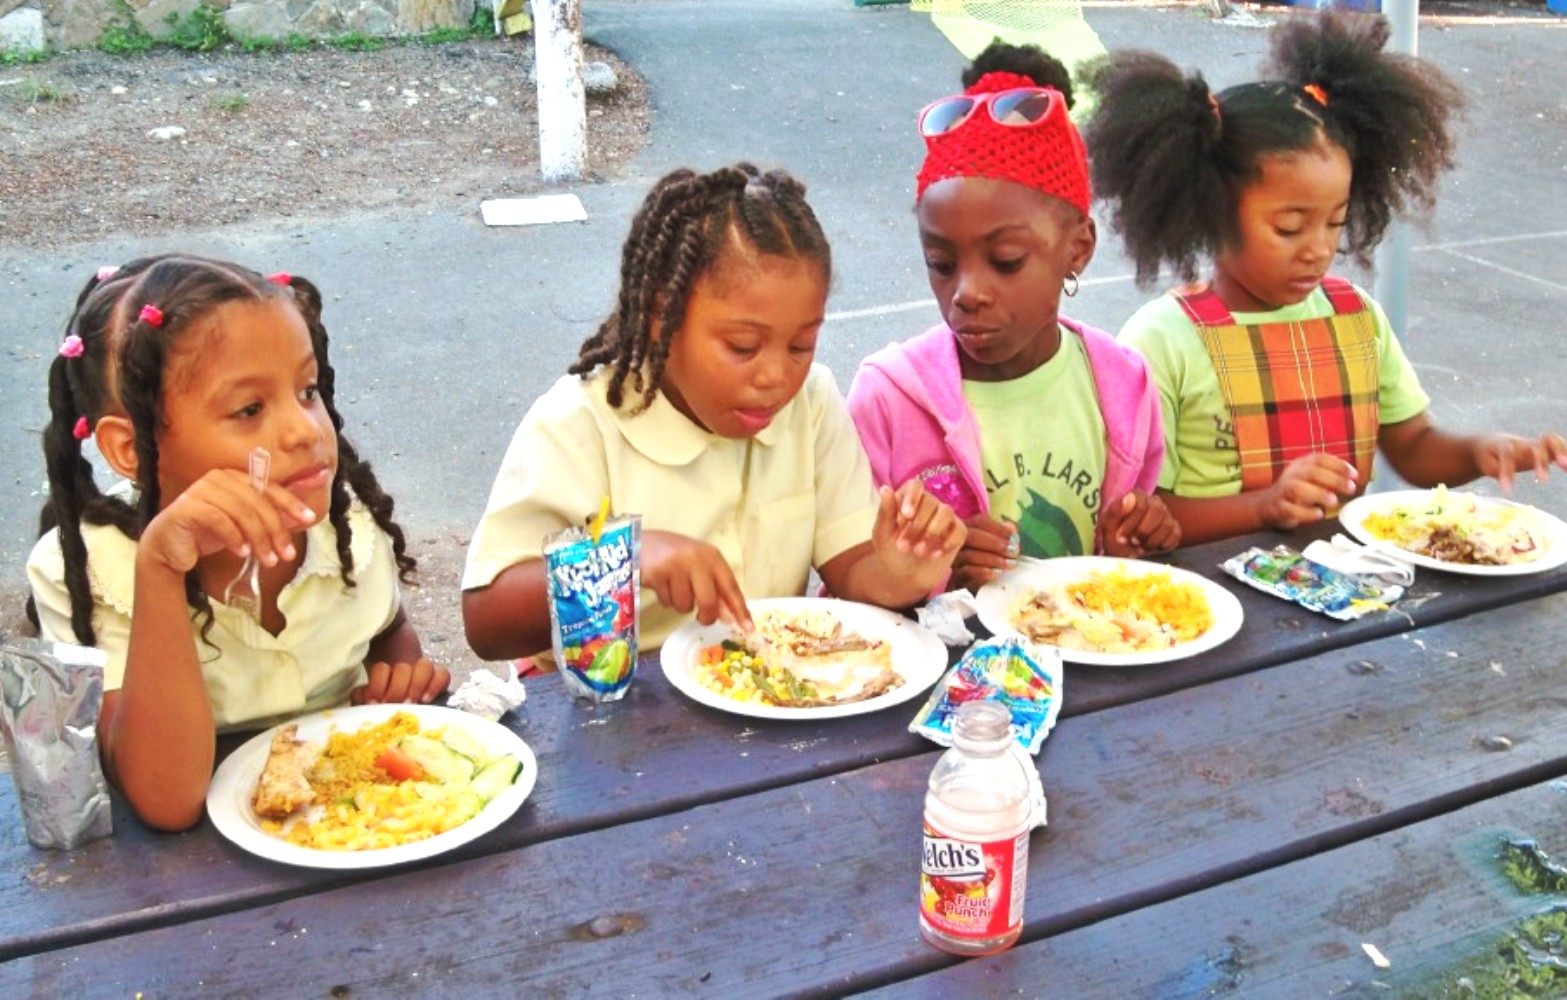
{"points": [[545, 208]]}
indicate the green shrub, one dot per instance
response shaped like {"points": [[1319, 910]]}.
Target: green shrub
{"points": [[202, 30]]}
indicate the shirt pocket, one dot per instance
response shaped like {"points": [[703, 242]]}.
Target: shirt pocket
{"points": [[781, 542]]}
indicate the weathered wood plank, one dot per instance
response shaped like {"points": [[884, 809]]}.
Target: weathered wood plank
{"points": [[1431, 898], [811, 886]]}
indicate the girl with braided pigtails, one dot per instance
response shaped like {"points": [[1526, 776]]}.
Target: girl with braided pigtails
{"points": [[181, 369], [697, 406], [1279, 381]]}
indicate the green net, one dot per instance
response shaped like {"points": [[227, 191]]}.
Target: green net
{"points": [[1057, 26]]}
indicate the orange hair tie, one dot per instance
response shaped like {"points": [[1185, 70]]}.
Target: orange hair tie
{"points": [[1316, 93]]}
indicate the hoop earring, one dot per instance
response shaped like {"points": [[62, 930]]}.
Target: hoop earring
{"points": [[1069, 284]]}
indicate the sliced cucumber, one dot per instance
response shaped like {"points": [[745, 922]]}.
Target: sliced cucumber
{"points": [[466, 805], [440, 762], [498, 776], [466, 743]]}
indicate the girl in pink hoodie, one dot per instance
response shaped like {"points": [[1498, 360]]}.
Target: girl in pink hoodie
{"points": [[1043, 434]]}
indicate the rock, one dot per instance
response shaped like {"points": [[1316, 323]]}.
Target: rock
{"points": [[166, 132], [599, 78], [258, 20], [22, 32]]}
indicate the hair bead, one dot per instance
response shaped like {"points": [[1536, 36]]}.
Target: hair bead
{"points": [[71, 347], [152, 316], [82, 430]]}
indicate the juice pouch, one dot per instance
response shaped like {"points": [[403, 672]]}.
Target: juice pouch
{"points": [[1023, 677], [593, 597]]}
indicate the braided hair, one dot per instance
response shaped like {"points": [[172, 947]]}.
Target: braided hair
{"points": [[115, 362], [679, 235], [1173, 158]]}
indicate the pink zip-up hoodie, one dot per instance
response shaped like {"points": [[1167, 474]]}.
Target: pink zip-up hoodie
{"points": [[907, 401]]}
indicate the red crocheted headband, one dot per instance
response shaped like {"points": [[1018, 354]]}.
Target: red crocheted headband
{"points": [[1047, 156]]}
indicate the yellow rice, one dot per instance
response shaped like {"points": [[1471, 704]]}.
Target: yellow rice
{"points": [[1181, 606]]}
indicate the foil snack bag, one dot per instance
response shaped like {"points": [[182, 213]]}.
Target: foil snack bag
{"points": [[593, 596], [50, 695]]}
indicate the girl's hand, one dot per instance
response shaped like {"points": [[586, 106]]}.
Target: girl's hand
{"points": [[221, 510], [990, 549], [420, 682], [916, 536], [1311, 487], [1137, 525], [1500, 455], [690, 575]]}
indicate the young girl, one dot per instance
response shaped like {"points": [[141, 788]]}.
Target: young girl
{"points": [[697, 406], [1042, 433], [1278, 381], [180, 368]]}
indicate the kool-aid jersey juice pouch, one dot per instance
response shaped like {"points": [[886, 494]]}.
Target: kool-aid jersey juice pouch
{"points": [[593, 595]]}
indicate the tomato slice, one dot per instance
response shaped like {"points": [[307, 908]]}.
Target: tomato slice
{"points": [[398, 765]]}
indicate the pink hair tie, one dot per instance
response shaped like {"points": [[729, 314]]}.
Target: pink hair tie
{"points": [[72, 347], [281, 278], [83, 430], [152, 316], [108, 271]]}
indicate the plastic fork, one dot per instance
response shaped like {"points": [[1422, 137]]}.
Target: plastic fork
{"points": [[244, 591]]}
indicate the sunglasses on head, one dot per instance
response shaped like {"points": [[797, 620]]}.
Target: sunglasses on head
{"points": [[1020, 108]]}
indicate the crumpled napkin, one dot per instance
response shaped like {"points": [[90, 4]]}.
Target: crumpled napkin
{"points": [[1354, 559], [488, 695], [1038, 813], [943, 615]]}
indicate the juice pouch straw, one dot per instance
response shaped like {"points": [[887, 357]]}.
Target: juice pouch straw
{"points": [[50, 695], [594, 588]]}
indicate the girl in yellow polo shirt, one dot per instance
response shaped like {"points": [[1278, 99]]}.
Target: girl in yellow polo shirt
{"points": [[182, 370], [697, 406]]}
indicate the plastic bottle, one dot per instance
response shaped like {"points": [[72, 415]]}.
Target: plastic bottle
{"points": [[975, 863]]}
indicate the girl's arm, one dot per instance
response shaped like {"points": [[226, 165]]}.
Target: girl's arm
{"points": [[1425, 456], [510, 617], [910, 552], [1309, 490], [159, 739], [396, 670]]}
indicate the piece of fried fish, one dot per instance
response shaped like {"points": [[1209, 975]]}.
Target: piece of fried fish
{"points": [[283, 786]]}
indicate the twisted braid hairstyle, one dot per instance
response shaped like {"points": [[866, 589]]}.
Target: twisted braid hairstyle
{"points": [[690, 225], [121, 368], [1172, 157]]}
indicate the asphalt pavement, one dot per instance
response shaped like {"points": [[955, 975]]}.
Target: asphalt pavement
{"points": [[444, 330]]}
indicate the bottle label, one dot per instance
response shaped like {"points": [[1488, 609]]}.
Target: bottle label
{"points": [[973, 889]]}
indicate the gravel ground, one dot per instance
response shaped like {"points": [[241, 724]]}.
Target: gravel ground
{"points": [[314, 134], [277, 135]]}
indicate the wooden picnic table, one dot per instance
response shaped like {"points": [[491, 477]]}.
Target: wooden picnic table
{"points": [[1246, 819]]}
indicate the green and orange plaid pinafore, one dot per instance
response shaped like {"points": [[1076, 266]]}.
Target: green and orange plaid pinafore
{"points": [[1294, 388]]}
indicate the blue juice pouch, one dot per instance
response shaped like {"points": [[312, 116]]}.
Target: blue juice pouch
{"points": [[1283, 572], [593, 596], [1023, 677]]}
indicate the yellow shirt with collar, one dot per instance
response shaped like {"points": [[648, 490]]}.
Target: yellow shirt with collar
{"points": [[253, 677], [775, 505]]}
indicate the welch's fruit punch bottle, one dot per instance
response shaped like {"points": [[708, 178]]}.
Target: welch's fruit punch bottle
{"points": [[977, 811]]}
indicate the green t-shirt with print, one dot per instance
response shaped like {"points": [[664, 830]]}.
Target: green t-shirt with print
{"points": [[1042, 451]]}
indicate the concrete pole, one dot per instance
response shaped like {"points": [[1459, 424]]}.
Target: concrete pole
{"points": [[1392, 258], [563, 110]]}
